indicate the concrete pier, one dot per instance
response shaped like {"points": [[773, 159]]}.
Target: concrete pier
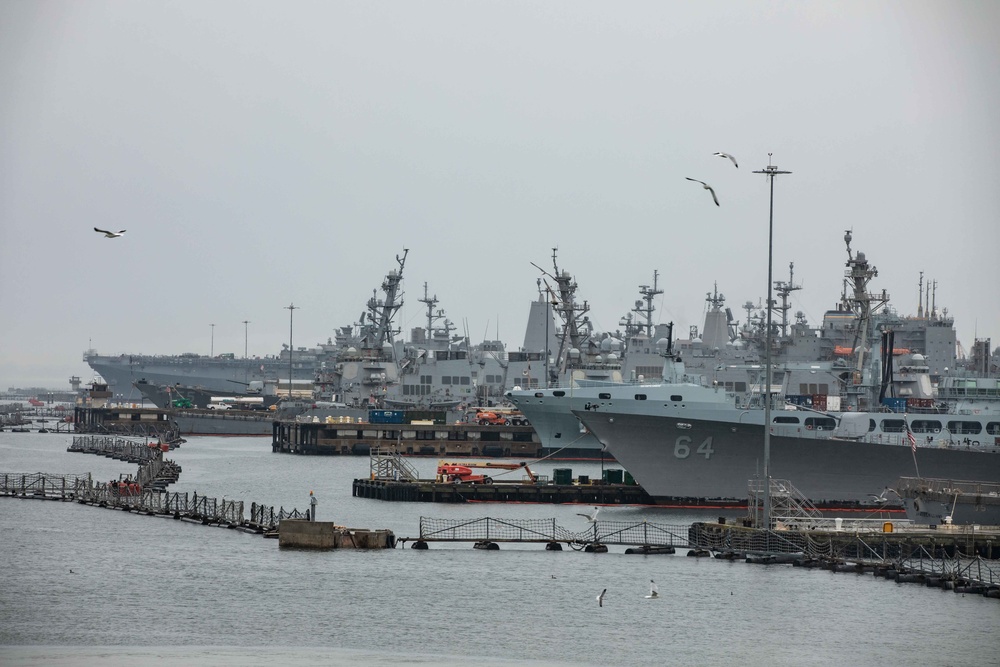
{"points": [[431, 491], [305, 534]]}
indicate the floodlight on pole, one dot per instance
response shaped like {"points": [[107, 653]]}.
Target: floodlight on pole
{"points": [[291, 308], [770, 171]]}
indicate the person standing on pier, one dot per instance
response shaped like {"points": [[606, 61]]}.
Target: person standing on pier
{"points": [[312, 506]]}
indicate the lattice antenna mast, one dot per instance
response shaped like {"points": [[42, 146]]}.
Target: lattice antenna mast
{"points": [[645, 310]]}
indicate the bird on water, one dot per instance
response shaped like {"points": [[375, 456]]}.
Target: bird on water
{"points": [[707, 187], [654, 592], [110, 234]]}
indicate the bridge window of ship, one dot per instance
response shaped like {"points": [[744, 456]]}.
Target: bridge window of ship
{"points": [[785, 420], [893, 425], [821, 423], [559, 393], [993, 428], [676, 398], [871, 425], [604, 396], [964, 427], [925, 426], [640, 397]]}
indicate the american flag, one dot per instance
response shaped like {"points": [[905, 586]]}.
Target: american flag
{"points": [[912, 439]]}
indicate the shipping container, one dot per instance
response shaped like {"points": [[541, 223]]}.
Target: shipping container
{"points": [[562, 475], [386, 416], [895, 404]]}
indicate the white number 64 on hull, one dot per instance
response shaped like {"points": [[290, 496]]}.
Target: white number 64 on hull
{"points": [[682, 448]]}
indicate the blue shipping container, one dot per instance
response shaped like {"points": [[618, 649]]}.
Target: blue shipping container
{"points": [[895, 404], [386, 416]]}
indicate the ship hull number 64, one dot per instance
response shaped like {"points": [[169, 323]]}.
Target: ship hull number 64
{"points": [[683, 448]]}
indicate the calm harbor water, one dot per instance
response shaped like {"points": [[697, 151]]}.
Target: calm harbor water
{"points": [[147, 590]]}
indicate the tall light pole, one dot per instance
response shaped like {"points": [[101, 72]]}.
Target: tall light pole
{"points": [[770, 171], [211, 352], [246, 356], [291, 308]]}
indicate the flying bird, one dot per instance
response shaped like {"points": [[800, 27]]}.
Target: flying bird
{"points": [[707, 187], [592, 517], [654, 592], [600, 598], [110, 235], [879, 498], [721, 154]]}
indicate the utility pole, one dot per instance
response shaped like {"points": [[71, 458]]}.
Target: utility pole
{"points": [[246, 356], [212, 349], [770, 171], [291, 308]]}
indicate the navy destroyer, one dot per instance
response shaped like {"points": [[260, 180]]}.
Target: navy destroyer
{"points": [[842, 426]]}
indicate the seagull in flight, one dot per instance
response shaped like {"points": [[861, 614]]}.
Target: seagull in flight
{"points": [[654, 592], [880, 498], [592, 517], [109, 234], [707, 187], [721, 154], [600, 598]]}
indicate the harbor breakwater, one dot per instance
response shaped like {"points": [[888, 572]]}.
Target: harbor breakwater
{"points": [[144, 493]]}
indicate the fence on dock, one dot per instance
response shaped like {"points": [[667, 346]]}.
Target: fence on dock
{"points": [[122, 449], [44, 484], [547, 530], [83, 489]]}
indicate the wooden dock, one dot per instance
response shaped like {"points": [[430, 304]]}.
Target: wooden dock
{"points": [[342, 438]]}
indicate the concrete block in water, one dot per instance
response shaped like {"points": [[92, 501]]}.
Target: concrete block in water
{"points": [[327, 535]]}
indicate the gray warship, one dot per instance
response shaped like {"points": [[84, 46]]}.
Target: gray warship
{"points": [[841, 424]]}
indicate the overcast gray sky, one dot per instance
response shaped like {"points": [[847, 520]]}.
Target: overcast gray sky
{"points": [[266, 153]]}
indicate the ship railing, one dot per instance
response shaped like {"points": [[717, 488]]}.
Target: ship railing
{"points": [[872, 525], [948, 487]]}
